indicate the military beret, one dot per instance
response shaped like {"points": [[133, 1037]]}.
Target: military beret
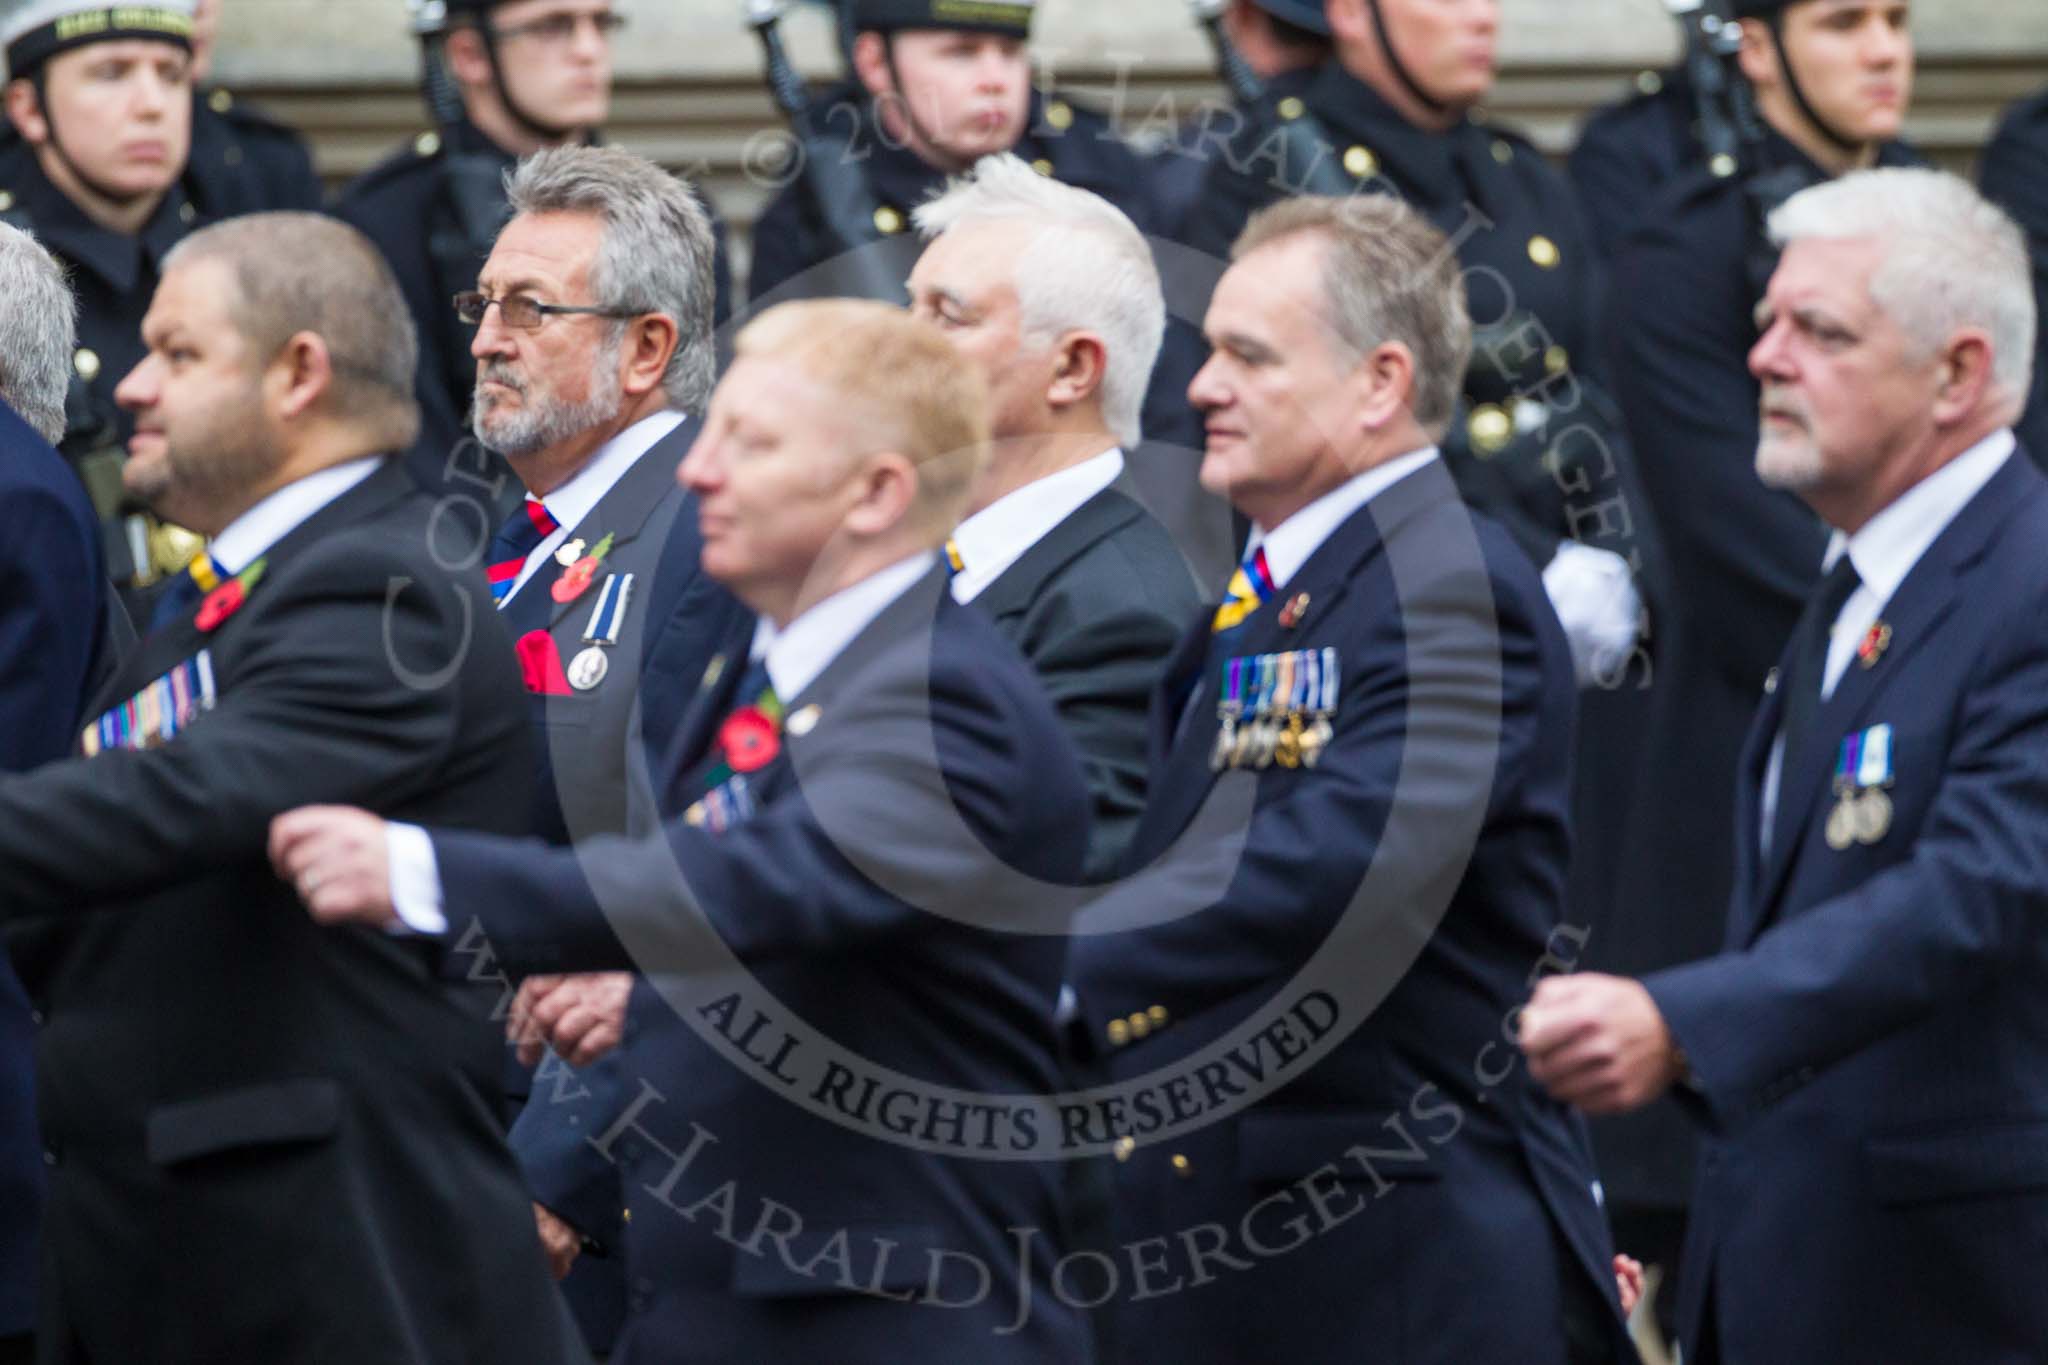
{"points": [[1306, 14], [36, 30], [1012, 18]]}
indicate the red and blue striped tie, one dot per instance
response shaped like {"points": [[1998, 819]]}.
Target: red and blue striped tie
{"points": [[515, 541]]}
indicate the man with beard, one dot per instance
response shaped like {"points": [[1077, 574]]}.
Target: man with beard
{"points": [[101, 96], [527, 75], [1866, 1054], [594, 355], [876, 798], [265, 1143], [1833, 79]]}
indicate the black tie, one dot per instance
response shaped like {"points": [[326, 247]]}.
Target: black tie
{"points": [[1806, 668]]}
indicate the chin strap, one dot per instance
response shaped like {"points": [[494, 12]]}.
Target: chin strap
{"points": [[1399, 67], [1775, 23], [545, 132], [56, 145], [903, 103]]}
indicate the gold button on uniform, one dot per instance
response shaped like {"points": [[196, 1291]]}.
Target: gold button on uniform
{"points": [[1140, 1025], [1557, 360], [426, 144], [87, 363], [1124, 1147], [1360, 162], [220, 101], [6, 201], [1043, 167], [1158, 1016], [1292, 108], [1060, 114], [1544, 252], [1118, 1032], [888, 221], [1502, 152], [1650, 83], [1490, 429], [1182, 1166], [1724, 165]]}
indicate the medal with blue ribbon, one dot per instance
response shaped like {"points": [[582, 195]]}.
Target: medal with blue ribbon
{"points": [[1863, 808]]}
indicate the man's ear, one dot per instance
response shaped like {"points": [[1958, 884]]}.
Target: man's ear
{"points": [[1385, 385], [1758, 55], [25, 112], [871, 65], [469, 62], [1966, 377], [650, 345], [301, 375], [1079, 366], [885, 489]]}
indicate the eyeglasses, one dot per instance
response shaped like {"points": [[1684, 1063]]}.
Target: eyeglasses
{"points": [[525, 312], [559, 30]]}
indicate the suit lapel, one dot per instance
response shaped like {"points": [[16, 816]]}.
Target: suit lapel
{"points": [[1915, 614], [1182, 783], [1018, 586], [622, 513], [180, 639]]}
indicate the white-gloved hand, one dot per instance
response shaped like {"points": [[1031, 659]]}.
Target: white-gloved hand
{"points": [[1594, 595]]}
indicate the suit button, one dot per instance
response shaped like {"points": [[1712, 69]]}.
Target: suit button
{"points": [[49, 1156], [36, 1017], [1182, 1166]]}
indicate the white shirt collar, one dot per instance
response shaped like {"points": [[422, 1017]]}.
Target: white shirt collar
{"points": [[1892, 542], [1289, 545], [997, 536], [806, 647], [581, 492], [250, 535]]}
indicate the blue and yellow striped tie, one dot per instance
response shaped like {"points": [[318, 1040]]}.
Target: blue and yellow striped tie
{"points": [[1249, 588]]}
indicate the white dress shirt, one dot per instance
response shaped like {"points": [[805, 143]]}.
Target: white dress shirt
{"points": [[1289, 545], [797, 654], [1884, 552], [248, 536], [997, 536], [584, 489]]}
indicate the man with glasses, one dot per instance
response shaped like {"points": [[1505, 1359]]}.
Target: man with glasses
{"points": [[526, 75], [593, 346]]}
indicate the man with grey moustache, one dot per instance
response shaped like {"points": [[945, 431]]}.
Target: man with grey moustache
{"points": [[593, 344]]}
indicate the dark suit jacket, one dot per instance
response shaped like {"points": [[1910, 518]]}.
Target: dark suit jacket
{"points": [[1447, 779], [1096, 606], [818, 894], [270, 1141], [2014, 173], [53, 627], [588, 742], [1871, 1049]]}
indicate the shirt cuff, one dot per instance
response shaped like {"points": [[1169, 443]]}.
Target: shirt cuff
{"points": [[415, 880]]}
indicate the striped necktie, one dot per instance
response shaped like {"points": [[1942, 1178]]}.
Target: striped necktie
{"points": [[200, 577], [516, 539], [1249, 588]]}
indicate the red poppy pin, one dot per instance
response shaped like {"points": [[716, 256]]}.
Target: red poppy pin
{"points": [[575, 579], [225, 600], [1875, 643], [749, 740]]}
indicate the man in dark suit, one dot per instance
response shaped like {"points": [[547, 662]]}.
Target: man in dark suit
{"points": [[294, 1129], [54, 640], [841, 908], [1866, 1055], [1356, 844], [596, 573], [1051, 293]]}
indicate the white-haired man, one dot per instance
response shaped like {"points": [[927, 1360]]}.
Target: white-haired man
{"points": [[53, 639], [1867, 1054], [1050, 291]]}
